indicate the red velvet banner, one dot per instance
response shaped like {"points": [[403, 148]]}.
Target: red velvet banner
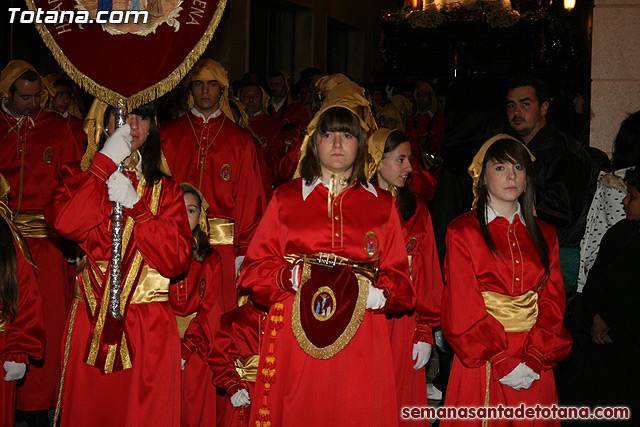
{"points": [[136, 62]]}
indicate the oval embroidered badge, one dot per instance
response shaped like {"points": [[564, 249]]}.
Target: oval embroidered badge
{"points": [[225, 172], [371, 243]]}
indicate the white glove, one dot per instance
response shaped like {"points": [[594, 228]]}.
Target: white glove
{"points": [[438, 337], [118, 146], [182, 363], [238, 261], [376, 298], [295, 274], [240, 398], [421, 354], [522, 376], [15, 371], [121, 190]]}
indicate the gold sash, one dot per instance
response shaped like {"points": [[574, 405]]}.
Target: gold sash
{"points": [[515, 313], [248, 368], [221, 231], [151, 286], [33, 226], [183, 323]]}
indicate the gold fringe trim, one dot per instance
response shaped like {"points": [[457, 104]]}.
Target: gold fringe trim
{"points": [[485, 422], [349, 332], [146, 95], [67, 347]]}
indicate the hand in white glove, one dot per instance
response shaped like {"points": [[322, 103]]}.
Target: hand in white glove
{"points": [[438, 337], [15, 371], [118, 146], [121, 190], [376, 299], [421, 354], [295, 277], [522, 376], [238, 262], [240, 398], [182, 363]]}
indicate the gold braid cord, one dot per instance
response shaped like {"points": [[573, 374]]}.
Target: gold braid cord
{"points": [[146, 95]]}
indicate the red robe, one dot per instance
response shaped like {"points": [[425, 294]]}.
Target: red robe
{"points": [[231, 181], [478, 337], [412, 327], [239, 336], [198, 293], [78, 132], [416, 128], [49, 143], [148, 393], [23, 337], [356, 386], [269, 131]]}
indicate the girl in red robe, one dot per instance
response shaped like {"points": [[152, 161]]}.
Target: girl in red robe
{"points": [[196, 302], [411, 331], [331, 215], [504, 300], [21, 322], [123, 371]]}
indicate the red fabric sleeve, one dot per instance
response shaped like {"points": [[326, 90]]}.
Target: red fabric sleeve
{"points": [[24, 336], [221, 360], [548, 342], [475, 335]]}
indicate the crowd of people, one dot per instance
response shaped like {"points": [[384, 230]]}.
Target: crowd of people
{"points": [[319, 253]]}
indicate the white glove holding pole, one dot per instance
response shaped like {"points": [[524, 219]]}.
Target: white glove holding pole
{"points": [[14, 370], [240, 398], [376, 299], [121, 190], [118, 146], [522, 376], [421, 354], [295, 277]]}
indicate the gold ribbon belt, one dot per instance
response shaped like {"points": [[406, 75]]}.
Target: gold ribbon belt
{"points": [[220, 231], [33, 226], [515, 313], [152, 287], [183, 323], [368, 269], [248, 368]]}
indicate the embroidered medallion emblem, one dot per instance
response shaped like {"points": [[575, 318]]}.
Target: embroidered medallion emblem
{"points": [[323, 304], [225, 172], [411, 244], [47, 155], [203, 286], [371, 243]]}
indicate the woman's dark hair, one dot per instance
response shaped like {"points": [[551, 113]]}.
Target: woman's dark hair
{"points": [[201, 248], [406, 196], [9, 295], [510, 151], [336, 119], [626, 147], [150, 151], [632, 178]]}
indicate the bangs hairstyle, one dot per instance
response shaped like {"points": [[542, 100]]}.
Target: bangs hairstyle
{"points": [[510, 151], [201, 248], [406, 196], [150, 151], [336, 119]]}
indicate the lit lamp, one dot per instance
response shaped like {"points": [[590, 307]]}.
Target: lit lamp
{"points": [[569, 4]]}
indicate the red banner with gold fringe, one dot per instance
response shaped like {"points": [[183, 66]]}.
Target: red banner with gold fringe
{"points": [[137, 62]]}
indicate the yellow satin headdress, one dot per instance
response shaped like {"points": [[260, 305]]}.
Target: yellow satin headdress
{"points": [[327, 83], [204, 206], [391, 111], [403, 105], [14, 69], [75, 107], [424, 87], [313, 125], [375, 148], [7, 216], [475, 168], [207, 69], [350, 93]]}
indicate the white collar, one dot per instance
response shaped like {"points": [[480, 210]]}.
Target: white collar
{"points": [[256, 114], [4, 107], [65, 114], [307, 189], [278, 105], [491, 214], [206, 119]]}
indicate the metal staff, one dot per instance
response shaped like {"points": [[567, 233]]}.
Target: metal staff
{"points": [[116, 234]]}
